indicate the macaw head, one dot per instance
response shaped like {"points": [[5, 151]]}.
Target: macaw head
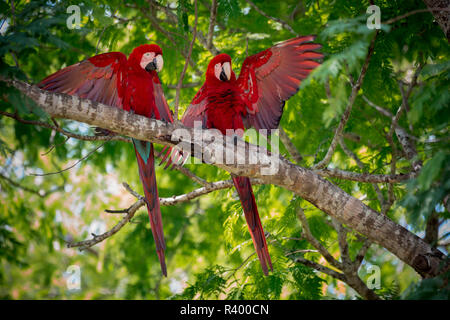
{"points": [[219, 69], [147, 57]]}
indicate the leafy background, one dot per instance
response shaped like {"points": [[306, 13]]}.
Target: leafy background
{"points": [[209, 248]]}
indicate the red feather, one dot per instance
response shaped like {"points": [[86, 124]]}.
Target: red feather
{"points": [[147, 175], [245, 192], [271, 77]]}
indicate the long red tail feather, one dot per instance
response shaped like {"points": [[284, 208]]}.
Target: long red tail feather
{"points": [[247, 197], [148, 179]]}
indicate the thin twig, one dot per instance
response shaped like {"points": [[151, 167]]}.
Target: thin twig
{"points": [[299, 8], [365, 177], [403, 16], [320, 268], [306, 232], [99, 39], [15, 116], [283, 23], [287, 142], [361, 165], [361, 253], [191, 175], [170, 201], [99, 238], [70, 167], [212, 23], [30, 190], [183, 73], [184, 85], [154, 22], [355, 89], [54, 146]]}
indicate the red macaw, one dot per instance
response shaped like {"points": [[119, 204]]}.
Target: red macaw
{"points": [[131, 84], [256, 99]]}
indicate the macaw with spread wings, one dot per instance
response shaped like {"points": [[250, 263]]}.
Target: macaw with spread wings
{"points": [[133, 85], [255, 99]]}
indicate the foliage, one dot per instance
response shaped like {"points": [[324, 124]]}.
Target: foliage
{"points": [[210, 254]]}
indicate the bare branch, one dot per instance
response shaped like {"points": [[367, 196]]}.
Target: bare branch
{"points": [[188, 57], [130, 212], [365, 177], [361, 165], [306, 232], [64, 132], [320, 268], [99, 238], [293, 151], [438, 12], [191, 175], [343, 245], [71, 166], [355, 89], [213, 186], [283, 23], [184, 85], [404, 137], [39, 193], [212, 22], [154, 22], [362, 253], [381, 110], [299, 8]]}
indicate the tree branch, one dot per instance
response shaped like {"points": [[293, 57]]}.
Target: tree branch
{"points": [[303, 182], [212, 23], [283, 23], [39, 193], [69, 134], [188, 57], [365, 177], [438, 8], [306, 232], [171, 201], [287, 142], [320, 268], [355, 89]]}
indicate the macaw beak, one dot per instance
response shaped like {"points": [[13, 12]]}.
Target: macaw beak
{"points": [[223, 76], [151, 66]]}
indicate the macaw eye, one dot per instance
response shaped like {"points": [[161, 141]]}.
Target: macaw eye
{"points": [[146, 58]]}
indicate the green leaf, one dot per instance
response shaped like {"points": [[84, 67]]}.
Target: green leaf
{"points": [[431, 170], [230, 8]]}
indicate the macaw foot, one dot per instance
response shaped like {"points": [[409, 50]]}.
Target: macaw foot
{"points": [[100, 132]]}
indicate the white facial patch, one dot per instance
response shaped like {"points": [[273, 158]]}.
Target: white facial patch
{"points": [[217, 70], [146, 59]]}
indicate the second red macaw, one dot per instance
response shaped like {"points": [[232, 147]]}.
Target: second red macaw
{"points": [[133, 85], [255, 99]]}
